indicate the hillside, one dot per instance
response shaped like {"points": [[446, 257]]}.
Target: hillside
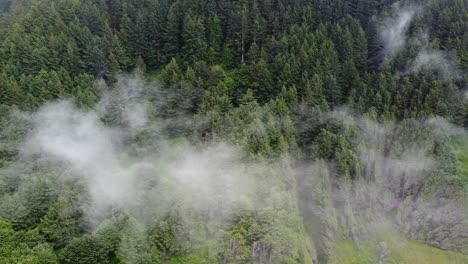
{"points": [[220, 131]]}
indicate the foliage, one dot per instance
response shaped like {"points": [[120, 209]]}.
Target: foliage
{"points": [[270, 78]]}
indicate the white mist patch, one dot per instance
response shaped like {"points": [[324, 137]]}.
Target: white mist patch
{"points": [[429, 59], [393, 31], [438, 61], [208, 177], [212, 178], [389, 188], [85, 146], [441, 126], [209, 183], [125, 102]]}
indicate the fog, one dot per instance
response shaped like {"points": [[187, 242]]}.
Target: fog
{"points": [[98, 154], [212, 182], [396, 39], [393, 31]]}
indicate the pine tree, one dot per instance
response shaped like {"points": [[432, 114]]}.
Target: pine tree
{"points": [[215, 36], [172, 33], [193, 36]]}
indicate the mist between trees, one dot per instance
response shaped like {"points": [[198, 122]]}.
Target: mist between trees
{"points": [[258, 131], [133, 162]]}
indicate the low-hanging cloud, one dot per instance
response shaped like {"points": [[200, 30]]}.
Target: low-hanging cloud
{"points": [[394, 29], [87, 148], [202, 177], [395, 38], [391, 177], [428, 59], [214, 181]]}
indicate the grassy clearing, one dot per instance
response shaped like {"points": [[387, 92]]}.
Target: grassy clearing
{"points": [[398, 251], [460, 145], [405, 252]]}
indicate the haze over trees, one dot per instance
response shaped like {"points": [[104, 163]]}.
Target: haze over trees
{"points": [[220, 131]]}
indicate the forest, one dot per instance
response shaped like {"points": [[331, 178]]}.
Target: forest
{"points": [[233, 131]]}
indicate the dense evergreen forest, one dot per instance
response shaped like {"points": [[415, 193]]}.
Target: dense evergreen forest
{"points": [[233, 131]]}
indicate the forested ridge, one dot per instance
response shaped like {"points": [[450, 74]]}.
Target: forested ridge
{"points": [[222, 131]]}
